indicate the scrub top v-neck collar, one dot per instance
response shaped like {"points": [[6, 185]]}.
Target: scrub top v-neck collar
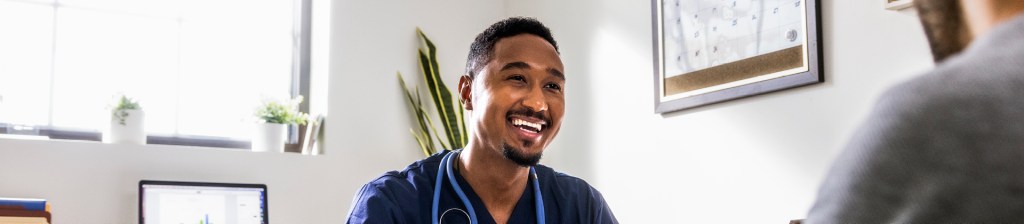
{"points": [[524, 211]]}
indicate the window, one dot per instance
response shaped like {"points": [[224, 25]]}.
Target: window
{"points": [[198, 67]]}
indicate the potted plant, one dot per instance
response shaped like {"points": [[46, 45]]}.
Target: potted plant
{"points": [[127, 122], [274, 118]]}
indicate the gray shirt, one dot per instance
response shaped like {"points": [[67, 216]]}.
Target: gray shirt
{"points": [[944, 147]]}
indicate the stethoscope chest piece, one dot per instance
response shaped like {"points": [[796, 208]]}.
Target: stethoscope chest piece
{"points": [[455, 216]]}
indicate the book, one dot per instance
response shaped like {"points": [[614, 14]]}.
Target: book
{"points": [[24, 211], [23, 220], [311, 135], [24, 203], [11, 214]]}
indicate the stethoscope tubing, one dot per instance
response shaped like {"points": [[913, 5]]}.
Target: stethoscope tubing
{"points": [[446, 165], [458, 191]]}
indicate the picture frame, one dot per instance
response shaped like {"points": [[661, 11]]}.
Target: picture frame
{"points": [[898, 4], [713, 51]]}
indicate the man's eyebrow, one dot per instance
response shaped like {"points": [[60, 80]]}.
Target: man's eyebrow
{"points": [[556, 73], [524, 65], [515, 65]]}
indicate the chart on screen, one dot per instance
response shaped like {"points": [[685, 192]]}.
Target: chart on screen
{"points": [[202, 205]]}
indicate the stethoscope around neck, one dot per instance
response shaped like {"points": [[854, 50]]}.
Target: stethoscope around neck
{"points": [[446, 167]]}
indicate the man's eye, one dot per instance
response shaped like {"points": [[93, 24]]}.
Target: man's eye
{"points": [[517, 78], [553, 86]]}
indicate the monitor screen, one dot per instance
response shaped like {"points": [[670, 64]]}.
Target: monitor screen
{"points": [[167, 202]]}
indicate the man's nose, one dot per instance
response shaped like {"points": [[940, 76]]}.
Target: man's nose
{"points": [[535, 100]]}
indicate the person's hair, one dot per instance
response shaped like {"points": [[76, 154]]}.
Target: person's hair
{"points": [[944, 26], [482, 49]]}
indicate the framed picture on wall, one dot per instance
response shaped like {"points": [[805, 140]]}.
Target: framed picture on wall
{"points": [[710, 51]]}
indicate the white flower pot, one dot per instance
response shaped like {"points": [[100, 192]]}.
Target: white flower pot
{"points": [[131, 130], [269, 137]]}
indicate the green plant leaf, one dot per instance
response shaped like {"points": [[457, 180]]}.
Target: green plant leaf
{"points": [[279, 113], [426, 124], [121, 107], [464, 137], [430, 122], [443, 102], [423, 137], [449, 110], [419, 140]]}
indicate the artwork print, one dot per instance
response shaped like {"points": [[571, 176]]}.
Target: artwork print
{"points": [[708, 46]]}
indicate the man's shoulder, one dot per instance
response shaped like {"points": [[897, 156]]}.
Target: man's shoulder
{"points": [[414, 174], [979, 73], [567, 185], [976, 82], [563, 178], [392, 196], [578, 201]]}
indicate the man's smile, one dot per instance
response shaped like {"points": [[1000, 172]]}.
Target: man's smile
{"points": [[526, 127]]}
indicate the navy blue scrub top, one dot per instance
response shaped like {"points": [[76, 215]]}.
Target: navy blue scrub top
{"points": [[406, 197]]}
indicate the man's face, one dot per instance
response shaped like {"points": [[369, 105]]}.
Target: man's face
{"points": [[517, 99]]}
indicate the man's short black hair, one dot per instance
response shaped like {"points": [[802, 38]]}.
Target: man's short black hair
{"points": [[482, 49]]}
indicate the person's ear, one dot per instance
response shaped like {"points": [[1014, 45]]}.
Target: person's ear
{"points": [[466, 92]]}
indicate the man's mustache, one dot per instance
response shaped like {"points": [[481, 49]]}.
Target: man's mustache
{"points": [[527, 112]]}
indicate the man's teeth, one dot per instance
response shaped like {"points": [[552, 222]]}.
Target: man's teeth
{"points": [[535, 126]]}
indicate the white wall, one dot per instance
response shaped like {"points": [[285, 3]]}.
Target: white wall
{"points": [[367, 132], [754, 160]]}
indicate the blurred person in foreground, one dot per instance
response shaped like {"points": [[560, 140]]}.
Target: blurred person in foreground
{"points": [[947, 146]]}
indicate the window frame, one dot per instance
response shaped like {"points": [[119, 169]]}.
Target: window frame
{"points": [[300, 85]]}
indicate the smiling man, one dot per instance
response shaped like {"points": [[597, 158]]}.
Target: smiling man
{"points": [[514, 90]]}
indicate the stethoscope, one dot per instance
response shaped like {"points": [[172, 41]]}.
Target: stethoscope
{"points": [[446, 165]]}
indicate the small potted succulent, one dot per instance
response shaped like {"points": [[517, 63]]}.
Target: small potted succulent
{"points": [[273, 121], [127, 122]]}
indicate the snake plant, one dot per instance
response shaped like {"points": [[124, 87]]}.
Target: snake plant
{"points": [[448, 109]]}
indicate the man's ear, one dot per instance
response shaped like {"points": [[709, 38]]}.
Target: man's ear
{"points": [[466, 92]]}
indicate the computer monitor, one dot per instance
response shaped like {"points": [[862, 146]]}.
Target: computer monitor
{"points": [[173, 202]]}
